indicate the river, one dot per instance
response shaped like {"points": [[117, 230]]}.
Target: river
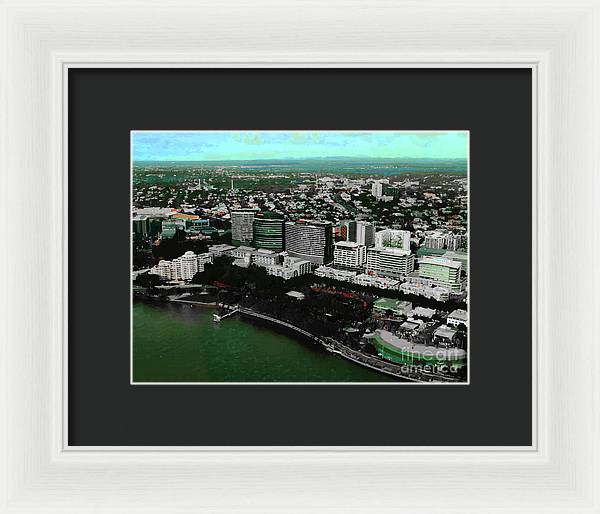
{"points": [[180, 343]]}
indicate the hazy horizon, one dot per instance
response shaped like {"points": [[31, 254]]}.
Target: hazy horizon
{"points": [[221, 146], [316, 158]]}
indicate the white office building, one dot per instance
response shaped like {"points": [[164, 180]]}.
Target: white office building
{"points": [[334, 273], [265, 258], [365, 233], [390, 262], [349, 254], [377, 281], [377, 189], [292, 267], [242, 252]]}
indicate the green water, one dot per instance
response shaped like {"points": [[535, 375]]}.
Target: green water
{"points": [[180, 343]]}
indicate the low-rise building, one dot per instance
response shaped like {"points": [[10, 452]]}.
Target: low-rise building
{"points": [[170, 227], [292, 267], [264, 258], [457, 317], [423, 312], [419, 286], [220, 250], [377, 281], [444, 336], [242, 252], [155, 212], [182, 268], [398, 307], [411, 326], [335, 273]]}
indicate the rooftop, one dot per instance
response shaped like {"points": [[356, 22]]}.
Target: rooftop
{"points": [[389, 250], [460, 314], [391, 340], [347, 244], [410, 324], [385, 303], [269, 215], [315, 223], [445, 331], [423, 311], [440, 261], [220, 248], [182, 216]]}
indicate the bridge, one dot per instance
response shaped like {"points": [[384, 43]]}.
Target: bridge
{"points": [[255, 314]]}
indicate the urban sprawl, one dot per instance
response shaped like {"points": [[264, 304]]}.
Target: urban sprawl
{"points": [[374, 266]]}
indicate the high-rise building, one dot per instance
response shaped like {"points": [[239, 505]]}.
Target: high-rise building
{"points": [[393, 239], [348, 230], [390, 262], [377, 189], [309, 240], [455, 241], [365, 233], [348, 254], [268, 230], [435, 240], [361, 232], [441, 239], [141, 224], [242, 221], [442, 272]]}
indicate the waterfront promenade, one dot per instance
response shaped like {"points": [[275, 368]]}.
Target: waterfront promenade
{"points": [[412, 374]]}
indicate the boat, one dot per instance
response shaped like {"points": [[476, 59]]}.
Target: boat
{"points": [[216, 318]]}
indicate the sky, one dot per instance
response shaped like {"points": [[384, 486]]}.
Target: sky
{"points": [[248, 145]]}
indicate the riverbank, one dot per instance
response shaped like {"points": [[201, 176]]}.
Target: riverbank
{"points": [[400, 372], [173, 343]]}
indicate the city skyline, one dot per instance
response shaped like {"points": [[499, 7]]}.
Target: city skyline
{"points": [[186, 146], [355, 269]]}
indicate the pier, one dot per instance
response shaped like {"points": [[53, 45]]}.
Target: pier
{"points": [[217, 318]]}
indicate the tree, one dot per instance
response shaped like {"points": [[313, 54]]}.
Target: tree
{"points": [[147, 280]]}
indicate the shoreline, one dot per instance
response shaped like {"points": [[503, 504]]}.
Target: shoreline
{"points": [[333, 347]]}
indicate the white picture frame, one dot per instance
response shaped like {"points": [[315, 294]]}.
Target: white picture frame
{"points": [[558, 40]]}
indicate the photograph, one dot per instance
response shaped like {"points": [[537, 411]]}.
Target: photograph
{"points": [[300, 257]]}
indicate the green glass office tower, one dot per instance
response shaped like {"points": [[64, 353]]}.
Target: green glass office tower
{"points": [[268, 230]]}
